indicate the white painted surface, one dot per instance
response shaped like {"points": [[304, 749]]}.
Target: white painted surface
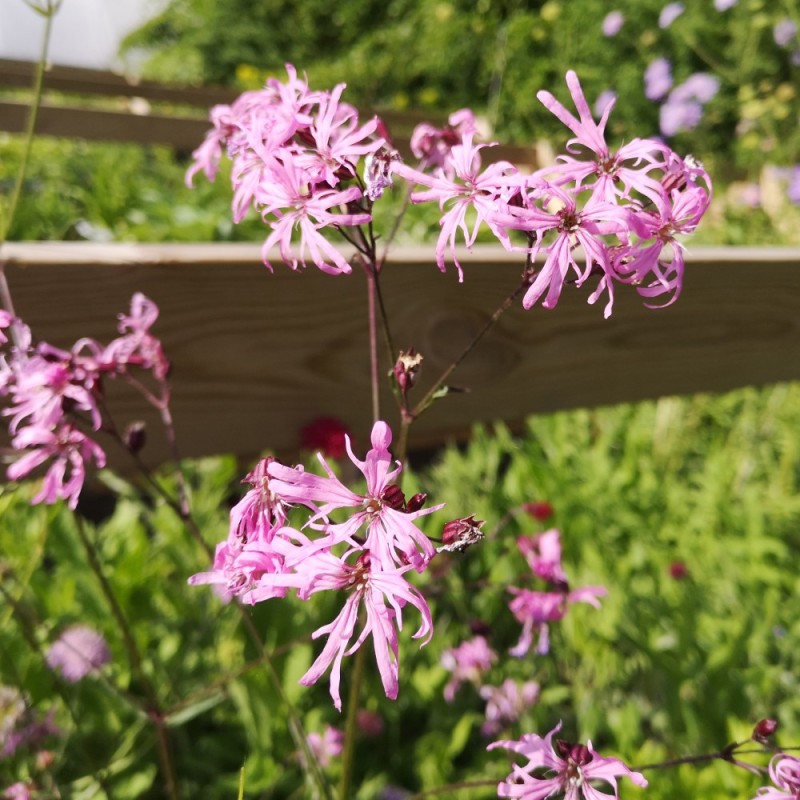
{"points": [[86, 33]]}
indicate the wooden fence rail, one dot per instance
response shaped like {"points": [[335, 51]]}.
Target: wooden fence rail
{"points": [[257, 356], [182, 129]]}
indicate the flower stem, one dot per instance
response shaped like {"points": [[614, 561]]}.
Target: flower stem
{"points": [[454, 787], [351, 724], [155, 715], [374, 362]]}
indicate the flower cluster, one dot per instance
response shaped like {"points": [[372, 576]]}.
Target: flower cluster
{"points": [[294, 155], [560, 769], [625, 209], [54, 395], [366, 556], [467, 663], [20, 726], [535, 609]]}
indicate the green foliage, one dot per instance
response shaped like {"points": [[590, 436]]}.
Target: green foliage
{"points": [[668, 666]]}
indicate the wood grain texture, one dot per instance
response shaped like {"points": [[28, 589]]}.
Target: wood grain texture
{"points": [[257, 355]]}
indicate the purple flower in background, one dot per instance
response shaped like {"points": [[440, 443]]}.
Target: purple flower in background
{"points": [[19, 725], [793, 189], [612, 23], [560, 768], [724, 5], [18, 791], [78, 652], [784, 32], [657, 79], [604, 100], [701, 86], [669, 14]]}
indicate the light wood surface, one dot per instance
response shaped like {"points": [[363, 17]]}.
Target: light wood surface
{"points": [[257, 355]]}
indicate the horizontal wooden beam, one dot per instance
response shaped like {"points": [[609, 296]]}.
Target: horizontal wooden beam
{"points": [[257, 355]]}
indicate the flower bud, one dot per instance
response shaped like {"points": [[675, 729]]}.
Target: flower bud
{"points": [[135, 436], [764, 729], [406, 368], [416, 502], [393, 497], [459, 534]]}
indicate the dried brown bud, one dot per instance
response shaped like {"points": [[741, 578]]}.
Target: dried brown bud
{"points": [[135, 436], [459, 534], [764, 729], [406, 368]]}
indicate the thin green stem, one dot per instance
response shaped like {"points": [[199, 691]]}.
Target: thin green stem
{"points": [[454, 787], [374, 361], [155, 715], [351, 725]]}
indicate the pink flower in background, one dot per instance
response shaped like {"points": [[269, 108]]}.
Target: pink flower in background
{"points": [[561, 768], [536, 609], [612, 23], [432, 146], [657, 79], [543, 554], [784, 772], [327, 745], [505, 704], [467, 663], [669, 14], [724, 5], [19, 791], [78, 652], [604, 100], [539, 510], [369, 723], [21, 726]]}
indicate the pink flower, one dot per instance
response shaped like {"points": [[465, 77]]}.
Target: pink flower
{"points": [[467, 662], [560, 768], [392, 538], [657, 79], [543, 554], [78, 652], [467, 190], [784, 772], [612, 23], [294, 204], [432, 146], [669, 14], [327, 745], [505, 704], [381, 593], [70, 451], [536, 609], [19, 791]]}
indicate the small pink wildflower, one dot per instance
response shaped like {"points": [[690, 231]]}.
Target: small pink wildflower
{"points": [[506, 703], [560, 769], [327, 745], [78, 652], [467, 663]]}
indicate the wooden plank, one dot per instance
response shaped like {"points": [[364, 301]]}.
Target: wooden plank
{"points": [[181, 133], [257, 356]]}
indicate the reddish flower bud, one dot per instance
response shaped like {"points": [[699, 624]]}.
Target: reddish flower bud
{"points": [[406, 368], [135, 436], [539, 511], [764, 729], [459, 534], [393, 497], [416, 502]]}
